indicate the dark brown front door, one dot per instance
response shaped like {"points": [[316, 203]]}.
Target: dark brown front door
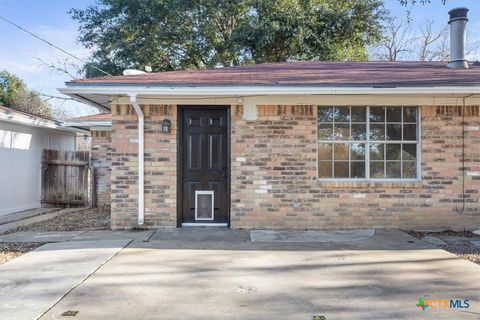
{"points": [[205, 165]]}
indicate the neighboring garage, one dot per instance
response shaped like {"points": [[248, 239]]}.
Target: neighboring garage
{"points": [[23, 137]]}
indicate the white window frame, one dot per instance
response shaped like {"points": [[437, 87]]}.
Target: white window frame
{"points": [[367, 142]]}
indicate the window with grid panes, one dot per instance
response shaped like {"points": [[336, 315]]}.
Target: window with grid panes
{"points": [[367, 142]]}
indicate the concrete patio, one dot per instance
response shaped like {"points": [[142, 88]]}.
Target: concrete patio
{"points": [[180, 274]]}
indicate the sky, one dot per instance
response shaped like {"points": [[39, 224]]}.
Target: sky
{"points": [[26, 56]]}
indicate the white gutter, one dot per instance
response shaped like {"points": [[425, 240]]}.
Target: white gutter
{"points": [[35, 122], [141, 164], [258, 90], [28, 121]]}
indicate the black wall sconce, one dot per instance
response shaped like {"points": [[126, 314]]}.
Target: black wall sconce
{"points": [[166, 126]]}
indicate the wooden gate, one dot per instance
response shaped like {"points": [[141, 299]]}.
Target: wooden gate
{"points": [[65, 177]]}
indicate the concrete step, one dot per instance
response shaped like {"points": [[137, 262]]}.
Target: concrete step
{"points": [[60, 236], [25, 214]]}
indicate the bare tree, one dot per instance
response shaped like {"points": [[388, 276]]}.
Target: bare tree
{"points": [[432, 45], [473, 49], [65, 66], [428, 44], [396, 43]]}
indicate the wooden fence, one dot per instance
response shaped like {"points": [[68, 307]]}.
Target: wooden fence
{"points": [[66, 178]]}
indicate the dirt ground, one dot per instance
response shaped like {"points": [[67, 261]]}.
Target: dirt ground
{"points": [[82, 220], [463, 249], [11, 250]]}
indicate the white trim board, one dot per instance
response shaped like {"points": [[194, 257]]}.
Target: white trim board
{"points": [[325, 100], [255, 90], [204, 224]]}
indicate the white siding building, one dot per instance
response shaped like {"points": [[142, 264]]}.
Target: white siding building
{"points": [[23, 137]]}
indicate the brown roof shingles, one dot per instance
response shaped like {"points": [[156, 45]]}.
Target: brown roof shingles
{"points": [[318, 73], [94, 117]]}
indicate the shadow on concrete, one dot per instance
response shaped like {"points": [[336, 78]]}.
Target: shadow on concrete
{"points": [[379, 278]]}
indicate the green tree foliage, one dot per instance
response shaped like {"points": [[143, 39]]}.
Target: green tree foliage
{"points": [[193, 34], [15, 94]]}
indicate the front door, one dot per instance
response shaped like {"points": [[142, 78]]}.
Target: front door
{"points": [[204, 185]]}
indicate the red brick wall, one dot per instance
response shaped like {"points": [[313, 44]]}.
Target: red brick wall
{"points": [[101, 162], [160, 167], [274, 179]]}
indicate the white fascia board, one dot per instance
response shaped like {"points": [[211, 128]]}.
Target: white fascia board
{"points": [[259, 90], [35, 122], [100, 129], [87, 124]]}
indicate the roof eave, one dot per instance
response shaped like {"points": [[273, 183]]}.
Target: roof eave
{"points": [[76, 91], [38, 123], [83, 99]]}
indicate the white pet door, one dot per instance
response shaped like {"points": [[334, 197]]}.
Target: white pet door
{"points": [[203, 205]]}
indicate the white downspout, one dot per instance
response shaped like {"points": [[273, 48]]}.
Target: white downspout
{"points": [[141, 164]]}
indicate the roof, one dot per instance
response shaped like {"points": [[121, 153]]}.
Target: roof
{"points": [[100, 121], [94, 117], [24, 118], [6, 110], [311, 73]]}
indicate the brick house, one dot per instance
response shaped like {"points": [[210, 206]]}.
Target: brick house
{"points": [[298, 145]]}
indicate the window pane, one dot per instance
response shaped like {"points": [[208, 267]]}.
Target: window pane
{"points": [[409, 151], [376, 151], [342, 131], [341, 169], [325, 169], [325, 131], [409, 170], [344, 160], [376, 170], [341, 151], [410, 114], [324, 151], [393, 151], [394, 170], [357, 151], [342, 114], [394, 132], [359, 132], [357, 169], [377, 114], [394, 114], [377, 132], [410, 132], [325, 114], [359, 114]]}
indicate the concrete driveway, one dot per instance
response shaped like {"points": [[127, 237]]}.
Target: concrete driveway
{"points": [[381, 277]]}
